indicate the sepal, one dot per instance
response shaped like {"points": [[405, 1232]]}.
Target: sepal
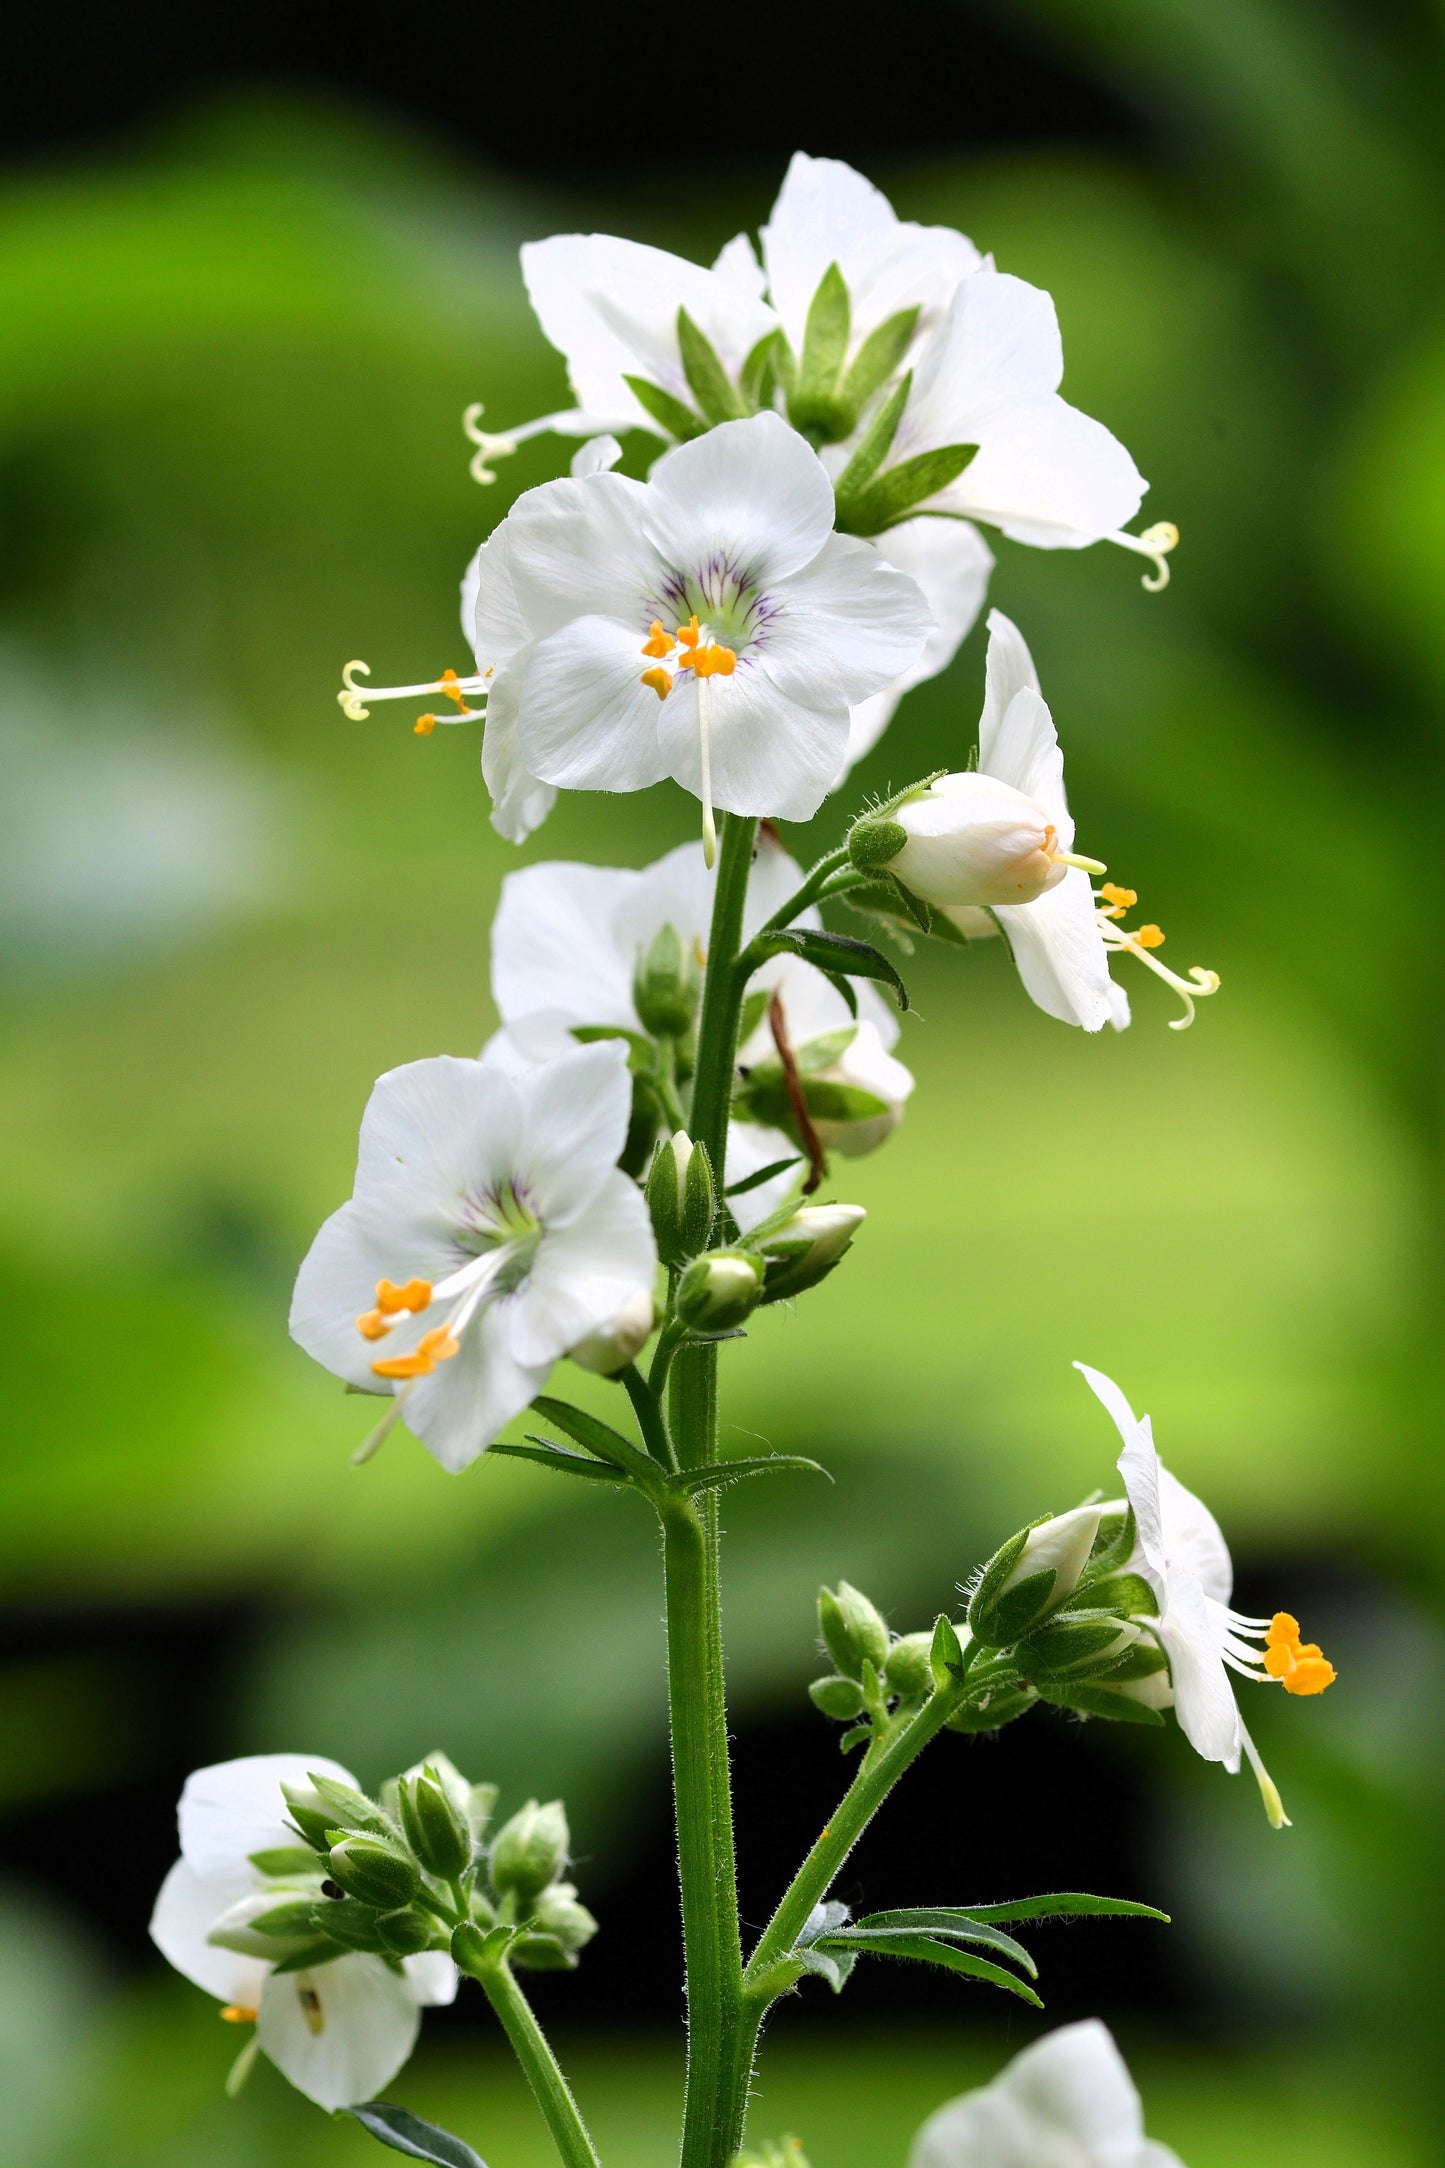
{"points": [[530, 1851], [854, 1630]]}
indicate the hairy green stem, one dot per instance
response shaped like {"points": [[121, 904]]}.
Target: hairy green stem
{"points": [[717, 1031], [813, 886], [539, 2065], [650, 1420]]}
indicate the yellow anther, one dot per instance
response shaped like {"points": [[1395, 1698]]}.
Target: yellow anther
{"points": [[659, 680], [390, 1298], [436, 1346], [711, 661], [690, 633], [238, 2013], [1299, 1666], [424, 725], [661, 642], [1311, 1675], [1118, 899], [1147, 936], [1283, 1631], [372, 1326]]}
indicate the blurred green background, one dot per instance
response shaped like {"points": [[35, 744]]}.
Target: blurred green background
{"points": [[235, 340]]}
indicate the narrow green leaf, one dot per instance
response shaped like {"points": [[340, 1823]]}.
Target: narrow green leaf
{"points": [[352, 1808], [1065, 1904], [855, 1737], [844, 953], [598, 1437], [733, 1471], [924, 1951], [671, 416], [547, 1455], [945, 1657], [764, 1174], [876, 444], [878, 357], [897, 493], [409, 2134], [707, 379], [948, 1925], [825, 343]]}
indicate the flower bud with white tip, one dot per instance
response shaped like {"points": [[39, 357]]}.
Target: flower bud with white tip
{"points": [[682, 1198], [805, 1248], [530, 1851], [559, 1913], [666, 986], [854, 1630], [610, 1350], [972, 839], [717, 1292], [374, 1871], [434, 1826], [908, 1671], [1032, 1574]]}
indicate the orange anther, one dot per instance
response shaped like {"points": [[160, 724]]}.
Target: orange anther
{"points": [[1148, 936], [1282, 1629], [238, 2013], [451, 686], [661, 642], [691, 632], [390, 1298], [660, 682], [1121, 899], [436, 1346], [372, 1326], [714, 662], [1278, 1662], [1310, 1677], [424, 725]]}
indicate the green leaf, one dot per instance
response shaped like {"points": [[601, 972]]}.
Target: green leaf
{"points": [[1116, 1708], [841, 953], [876, 444], [671, 416], [1064, 1904], [924, 1951], [320, 1952], [825, 343], [545, 1454], [945, 1658], [764, 1174], [855, 1737], [409, 2134], [878, 357], [898, 492], [352, 1808], [755, 1008], [598, 1437], [707, 379], [834, 1969], [757, 371], [288, 1859], [733, 1471], [950, 1925]]}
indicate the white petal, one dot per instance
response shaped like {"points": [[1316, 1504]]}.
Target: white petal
{"points": [[1203, 1698], [599, 455], [997, 350], [578, 549], [185, 1912], [770, 754], [736, 266], [1008, 669], [751, 1147], [432, 1977], [520, 801], [752, 491], [1193, 1538], [378, 1237], [1106, 1391], [584, 1274], [575, 1114], [1066, 2102], [554, 948], [845, 625], [464, 1404], [951, 563], [491, 615], [1060, 956], [368, 2019], [1024, 751], [235, 1808], [446, 1124], [1048, 475], [586, 721]]}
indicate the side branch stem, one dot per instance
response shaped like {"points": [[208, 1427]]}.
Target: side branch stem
{"points": [[540, 2066]]}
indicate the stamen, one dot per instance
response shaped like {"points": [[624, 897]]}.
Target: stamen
{"points": [[1299, 1666], [1118, 899], [436, 1346], [690, 633], [710, 661], [1111, 902], [372, 1326], [424, 725], [390, 1298], [660, 642], [352, 698], [1155, 543], [238, 2013], [658, 680]]}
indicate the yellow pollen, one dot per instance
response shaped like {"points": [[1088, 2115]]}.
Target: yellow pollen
{"points": [[690, 633], [424, 725], [661, 642], [659, 680], [1298, 1666], [436, 1346], [238, 2013], [1118, 899], [450, 685], [390, 1298], [373, 1326], [713, 661], [1148, 936]]}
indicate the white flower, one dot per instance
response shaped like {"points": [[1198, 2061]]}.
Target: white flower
{"points": [[489, 1231], [339, 2031], [1184, 1558], [1066, 2102], [706, 624], [565, 946]]}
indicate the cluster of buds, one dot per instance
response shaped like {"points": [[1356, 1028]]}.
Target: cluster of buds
{"points": [[411, 1871], [880, 1677]]}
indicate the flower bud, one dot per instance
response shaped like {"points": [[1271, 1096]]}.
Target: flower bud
{"points": [[1077, 1645], [609, 1350], [559, 1914], [682, 1198], [347, 1921], [718, 1291], [530, 1851], [909, 1671], [435, 1829], [853, 1088], [969, 839], [1033, 1573], [376, 1872], [666, 986], [840, 1698], [805, 1249], [405, 1933], [853, 1629]]}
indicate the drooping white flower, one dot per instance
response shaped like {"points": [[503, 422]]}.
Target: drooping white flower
{"points": [[489, 1232], [1183, 1556], [1067, 2101], [992, 848], [339, 2031], [565, 947]]}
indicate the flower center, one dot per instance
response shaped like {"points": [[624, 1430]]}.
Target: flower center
{"points": [[695, 650], [1111, 904], [499, 1236]]}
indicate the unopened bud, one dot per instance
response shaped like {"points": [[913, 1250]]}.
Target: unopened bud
{"points": [[530, 1850], [1033, 1573], [435, 1829], [805, 1249], [347, 1921], [840, 1698], [682, 1198], [405, 1933], [970, 839], [666, 986], [718, 1291], [908, 1671], [558, 1913], [374, 1871], [609, 1350], [853, 1629]]}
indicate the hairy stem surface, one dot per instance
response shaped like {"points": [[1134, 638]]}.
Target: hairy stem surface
{"points": [[539, 2064]]}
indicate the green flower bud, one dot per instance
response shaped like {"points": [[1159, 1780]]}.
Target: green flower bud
{"points": [[347, 1921], [873, 843], [559, 1914], [530, 1851], [436, 1830], [908, 1671], [666, 986], [310, 1816], [805, 1249], [718, 1291], [682, 1198], [375, 1871], [405, 1933], [837, 1697], [611, 1349], [1033, 1573], [853, 1629]]}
